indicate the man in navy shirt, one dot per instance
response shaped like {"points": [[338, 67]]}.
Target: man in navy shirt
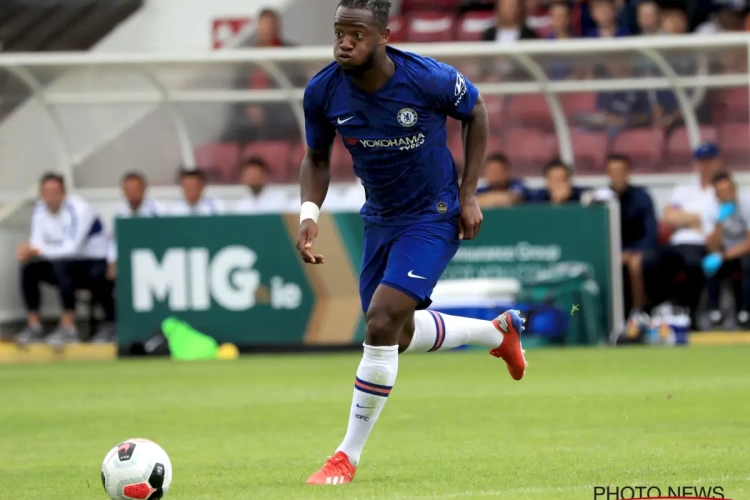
{"points": [[390, 109], [638, 229], [498, 188], [560, 188]]}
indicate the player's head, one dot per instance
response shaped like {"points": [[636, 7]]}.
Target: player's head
{"points": [[725, 187], [361, 30], [52, 190], [496, 170], [134, 188], [192, 183], [254, 174], [618, 170]]}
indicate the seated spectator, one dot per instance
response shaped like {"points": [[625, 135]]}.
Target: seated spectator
{"points": [[67, 249], [498, 188], [560, 188], [687, 244], [270, 121], [604, 14], [560, 28], [649, 18], [254, 177], [511, 23], [674, 21], [194, 202], [638, 230], [268, 31], [617, 111], [135, 205], [728, 228]]}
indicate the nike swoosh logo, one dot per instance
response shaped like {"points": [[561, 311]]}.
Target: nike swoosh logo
{"points": [[360, 406], [341, 122], [412, 275]]}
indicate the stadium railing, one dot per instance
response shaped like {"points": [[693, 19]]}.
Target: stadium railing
{"points": [[182, 84]]}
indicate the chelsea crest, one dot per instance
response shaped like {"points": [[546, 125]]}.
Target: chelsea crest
{"points": [[407, 117]]}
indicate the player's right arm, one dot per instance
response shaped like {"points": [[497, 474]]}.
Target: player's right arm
{"points": [[315, 171]]}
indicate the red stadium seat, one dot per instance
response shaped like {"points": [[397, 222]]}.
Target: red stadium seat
{"points": [[425, 27], [732, 105], [529, 110], [219, 160], [276, 154], [472, 25], [679, 150], [578, 103], [409, 6], [734, 143], [643, 146], [529, 149], [397, 24], [589, 150]]}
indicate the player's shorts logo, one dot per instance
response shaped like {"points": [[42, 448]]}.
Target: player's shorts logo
{"points": [[407, 117], [442, 207]]}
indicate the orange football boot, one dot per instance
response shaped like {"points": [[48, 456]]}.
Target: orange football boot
{"points": [[337, 470], [510, 323]]}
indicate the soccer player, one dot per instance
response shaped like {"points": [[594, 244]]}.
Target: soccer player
{"points": [[390, 108]]}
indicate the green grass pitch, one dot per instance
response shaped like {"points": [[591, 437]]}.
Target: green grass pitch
{"points": [[456, 425]]}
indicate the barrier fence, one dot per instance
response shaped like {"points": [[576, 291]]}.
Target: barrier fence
{"points": [[246, 284]]}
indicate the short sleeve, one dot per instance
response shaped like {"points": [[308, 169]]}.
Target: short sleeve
{"points": [[319, 132], [455, 96]]}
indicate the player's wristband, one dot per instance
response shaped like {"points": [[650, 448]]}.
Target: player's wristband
{"points": [[309, 210]]}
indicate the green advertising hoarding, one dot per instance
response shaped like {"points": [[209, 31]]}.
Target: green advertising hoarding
{"points": [[239, 278]]}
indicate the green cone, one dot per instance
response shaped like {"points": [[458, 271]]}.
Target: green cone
{"points": [[186, 343]]}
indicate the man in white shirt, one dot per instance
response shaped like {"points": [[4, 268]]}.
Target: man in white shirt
{"points": [[260, 200], [728, 230], [194, 202], [68, 249], [136, 204], [687, 244]]}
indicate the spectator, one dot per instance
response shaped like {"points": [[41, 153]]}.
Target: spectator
{"points": [[560, 188], [619, 110], [604, 13], [194, 202], [511, 23], [559, 13], [638, 234], [728, 240], [273, 121], [649, 18], [135, 205], [254, 177], [67, 249], [687, 244], [268, 31], [499, 189], [674, 21], [725, 20]]}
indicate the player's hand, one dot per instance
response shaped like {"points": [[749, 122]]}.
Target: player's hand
{"points": [[308, 231], [471, 218]]}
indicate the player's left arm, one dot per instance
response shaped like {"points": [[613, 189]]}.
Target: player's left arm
{"points": [[475, 130], [458, 98]]}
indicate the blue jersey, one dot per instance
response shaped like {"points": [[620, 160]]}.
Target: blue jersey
{"points": [[396, 135]]}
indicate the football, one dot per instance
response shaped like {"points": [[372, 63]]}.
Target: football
{"points": [[136, 469]]}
